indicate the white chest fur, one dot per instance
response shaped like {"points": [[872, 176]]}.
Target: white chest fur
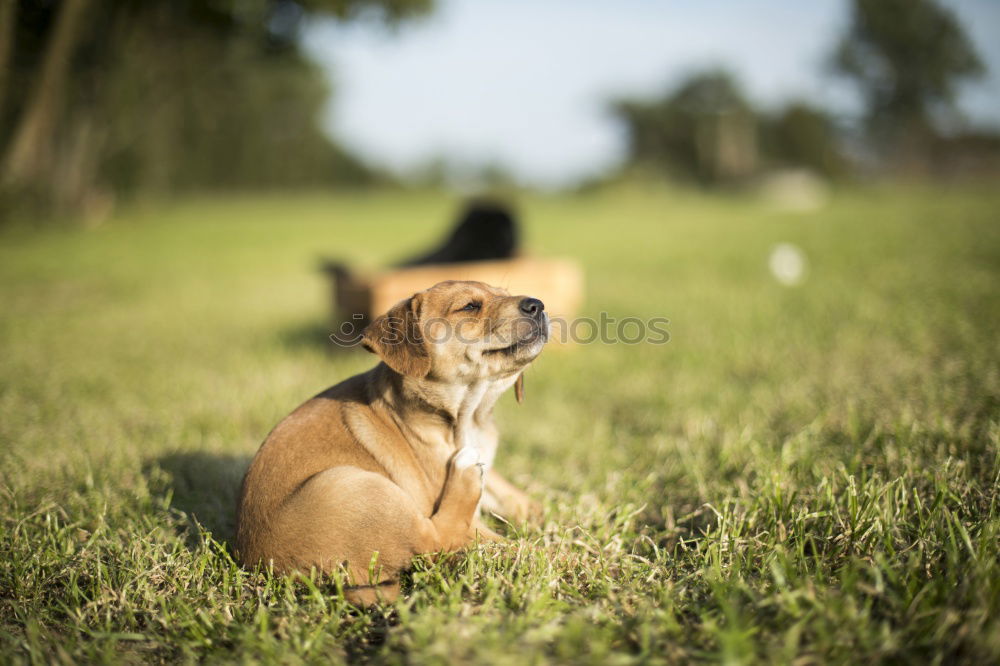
{"points": [[474, 423]]}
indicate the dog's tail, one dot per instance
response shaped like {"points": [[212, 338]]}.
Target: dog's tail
{"points": [[334, 268]]}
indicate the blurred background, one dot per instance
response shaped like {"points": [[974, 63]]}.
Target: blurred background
{"points": [[104, 102], [806, 190]]}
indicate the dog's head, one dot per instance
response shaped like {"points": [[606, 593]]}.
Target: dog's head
{"points": [[460, 332]]}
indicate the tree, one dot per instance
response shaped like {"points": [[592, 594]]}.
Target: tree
{"points": [[120, 96], [908, 58], [30, 147], [8, 15], [704, 130], [800, 135]]}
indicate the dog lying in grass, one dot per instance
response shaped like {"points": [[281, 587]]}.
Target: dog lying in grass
{"points": [[392, 463]]}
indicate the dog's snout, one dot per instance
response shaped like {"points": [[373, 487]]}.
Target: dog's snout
{"points": [[532, 307]]}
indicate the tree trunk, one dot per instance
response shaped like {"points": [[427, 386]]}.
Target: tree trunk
{"points": [[8, 16], [31, 145]]}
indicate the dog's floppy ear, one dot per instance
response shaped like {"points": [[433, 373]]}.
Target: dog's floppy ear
{"points": [[396, 338], [519, 388]]}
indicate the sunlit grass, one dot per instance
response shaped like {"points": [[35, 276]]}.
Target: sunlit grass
{"points": [[805, 474]]}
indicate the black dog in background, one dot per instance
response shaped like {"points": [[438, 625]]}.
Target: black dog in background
{"points": [[486, 230]]}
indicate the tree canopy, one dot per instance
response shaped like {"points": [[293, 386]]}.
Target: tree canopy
{"points": [[908, 58], [703, 130], [104, 99], [707, 131]]}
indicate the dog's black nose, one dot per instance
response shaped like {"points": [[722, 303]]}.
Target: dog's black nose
{"points": [[532, 307]]}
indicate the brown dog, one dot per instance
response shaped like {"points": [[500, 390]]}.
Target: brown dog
{"points": [[391, 463]]}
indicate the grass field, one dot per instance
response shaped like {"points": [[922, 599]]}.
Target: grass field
{"points": [[802, 475]]}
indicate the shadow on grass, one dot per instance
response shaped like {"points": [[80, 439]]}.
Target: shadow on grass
{"points": [[205, 486]]}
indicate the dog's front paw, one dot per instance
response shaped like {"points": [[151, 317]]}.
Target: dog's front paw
{"points": [[466, 457], [468, 472]]}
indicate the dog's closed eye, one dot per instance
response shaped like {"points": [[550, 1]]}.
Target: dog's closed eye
{"points": [[471, 306]]}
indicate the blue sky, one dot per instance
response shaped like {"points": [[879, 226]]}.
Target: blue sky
{"points": [[524, 83]]}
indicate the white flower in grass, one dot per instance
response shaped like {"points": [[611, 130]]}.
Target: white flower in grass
{"points": [[788, 264]]}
